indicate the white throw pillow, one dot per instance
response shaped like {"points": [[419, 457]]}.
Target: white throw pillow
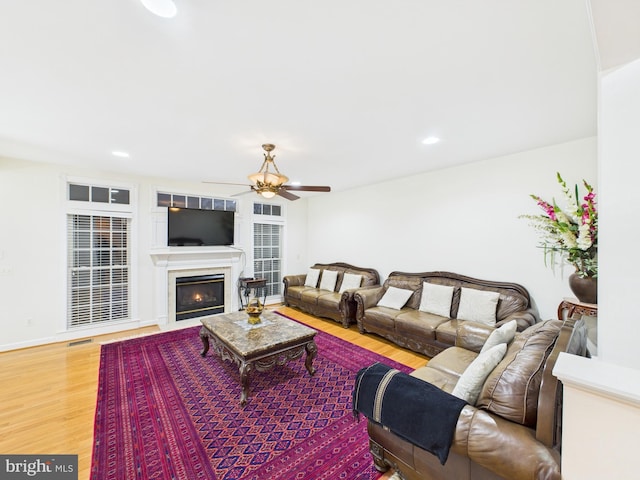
{"points": [[349, 281], [436, 299], [312, 278], [478, 305], [328, 281], [395, 298], [471, 381], [504, 334]]}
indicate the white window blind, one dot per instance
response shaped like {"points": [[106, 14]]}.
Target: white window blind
{"points": [[98, 268], [267, 255]]}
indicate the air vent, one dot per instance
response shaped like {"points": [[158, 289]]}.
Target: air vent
{"points": [[80, 342]]}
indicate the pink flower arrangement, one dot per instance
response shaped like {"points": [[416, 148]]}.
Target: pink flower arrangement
{"points": [[571, 233]]}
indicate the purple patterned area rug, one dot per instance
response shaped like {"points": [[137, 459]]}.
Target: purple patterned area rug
{"points": [[164, 412]]}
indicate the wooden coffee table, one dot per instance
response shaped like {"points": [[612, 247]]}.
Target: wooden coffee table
{"points": [[274, 341]]}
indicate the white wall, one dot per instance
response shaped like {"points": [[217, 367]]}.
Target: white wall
{"points": [[619, 114], [462, 219], [601, 410], [33, 247]]}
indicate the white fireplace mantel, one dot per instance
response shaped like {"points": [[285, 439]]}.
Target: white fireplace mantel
{"points": [[170, 262], [168, 255]]}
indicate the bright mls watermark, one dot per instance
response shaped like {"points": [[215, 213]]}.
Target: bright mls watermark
{"points": [[40, 467]]}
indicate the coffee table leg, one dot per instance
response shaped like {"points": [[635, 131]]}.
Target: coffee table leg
{"points": [[312, 351], [205, 342], [244, 380]]}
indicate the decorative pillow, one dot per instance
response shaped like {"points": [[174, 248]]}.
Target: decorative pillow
{"points": [[395, 298], [504, 334], [328, 281], [471, 381], [312, 278], [350, 280], [478, 305], [436, 299]]}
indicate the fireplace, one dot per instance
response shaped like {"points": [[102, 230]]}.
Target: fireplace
{"points": [[198, 296]]}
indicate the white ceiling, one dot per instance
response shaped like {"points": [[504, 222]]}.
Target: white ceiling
{"points": [[346, 89]]}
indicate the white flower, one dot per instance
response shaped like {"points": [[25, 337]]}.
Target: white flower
{"points": [[584, 236]]}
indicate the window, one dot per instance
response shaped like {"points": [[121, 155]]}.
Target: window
{"points": [[267, 209], [267, 255], [98, 194], [188, 201], [98, 269]]}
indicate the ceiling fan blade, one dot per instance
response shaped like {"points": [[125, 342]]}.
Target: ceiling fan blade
{"points": [[226, 183], [241, 193], [289, 196], [304, 188]]}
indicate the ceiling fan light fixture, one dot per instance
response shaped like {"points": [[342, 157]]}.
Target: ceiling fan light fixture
{"points": [[268, 193]]}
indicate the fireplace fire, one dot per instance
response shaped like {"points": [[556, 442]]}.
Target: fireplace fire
{"points": [[199, 296]]}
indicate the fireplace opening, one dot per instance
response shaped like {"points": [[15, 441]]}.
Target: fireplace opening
{"points": [[199, 296]]}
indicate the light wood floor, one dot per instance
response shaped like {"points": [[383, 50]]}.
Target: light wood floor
{"points": [[48, 393]]}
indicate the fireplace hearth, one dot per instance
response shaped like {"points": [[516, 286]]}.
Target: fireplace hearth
{"points": [[198, 296]]}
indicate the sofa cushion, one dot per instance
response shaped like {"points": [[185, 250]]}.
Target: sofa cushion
{"points": [[447, 332], [470, 383], [349, 281], [328, 280], [418, 324], [395, 298], [311, 295], [436, 299], [311, 280], [435, 377], [329, 300], [504, 334], [478, 305], [512, 389], [295, 291], [453, 362]]}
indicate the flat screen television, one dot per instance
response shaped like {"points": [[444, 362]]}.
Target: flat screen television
{"points": [[189, 227]]}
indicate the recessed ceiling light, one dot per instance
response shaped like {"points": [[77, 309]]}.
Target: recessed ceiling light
{"points": [[430, 140], [161, 8], [296, 183], [120, 154]]}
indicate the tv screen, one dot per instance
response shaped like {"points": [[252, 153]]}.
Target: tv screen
{"points": [[189, 227]]}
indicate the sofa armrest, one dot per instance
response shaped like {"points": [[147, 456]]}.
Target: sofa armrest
{"points": [[367, 297], [525, 319], [294, 280], [472, 335], [485, 438]]}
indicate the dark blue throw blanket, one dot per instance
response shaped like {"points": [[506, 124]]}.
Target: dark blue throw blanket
{"points": [[411, 408]]}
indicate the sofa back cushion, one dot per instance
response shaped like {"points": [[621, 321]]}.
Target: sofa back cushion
{"points": [[512, 389]]}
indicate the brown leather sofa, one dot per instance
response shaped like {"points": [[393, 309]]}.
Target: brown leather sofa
{"points": [[513, 432], [427, 333], [337, 306]]}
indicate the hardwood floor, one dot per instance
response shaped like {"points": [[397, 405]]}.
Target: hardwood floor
{"points": [[48, 393]]}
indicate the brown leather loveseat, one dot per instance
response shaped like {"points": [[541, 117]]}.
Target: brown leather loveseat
{"points": [[513, 429], [429, 333], [335, 303]]}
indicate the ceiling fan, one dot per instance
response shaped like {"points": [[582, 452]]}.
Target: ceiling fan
{"points": [[269, 182]]}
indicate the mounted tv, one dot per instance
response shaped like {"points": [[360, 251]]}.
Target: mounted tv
{"points": [[190, 227]]}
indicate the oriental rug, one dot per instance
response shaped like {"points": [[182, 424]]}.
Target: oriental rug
{"points": [[164, 412]]}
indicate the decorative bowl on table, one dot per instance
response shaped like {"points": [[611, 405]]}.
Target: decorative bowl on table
{"points": [[254, 310]]}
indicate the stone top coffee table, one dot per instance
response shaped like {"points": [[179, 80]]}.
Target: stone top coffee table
{"points": [[274, 341]]}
